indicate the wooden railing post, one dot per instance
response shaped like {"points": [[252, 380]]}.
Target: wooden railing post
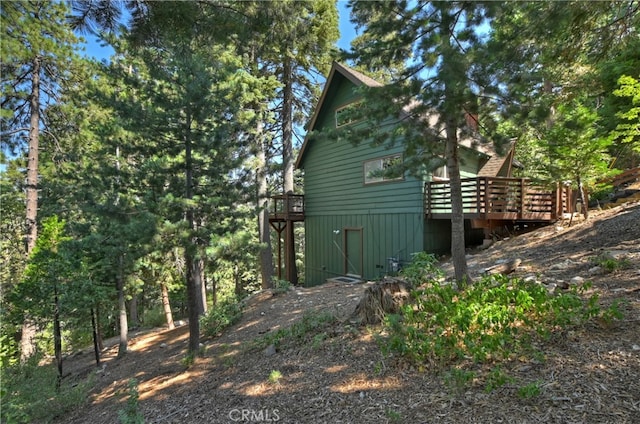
{"points": [[428, 200], [478, 197], [523, 189]]}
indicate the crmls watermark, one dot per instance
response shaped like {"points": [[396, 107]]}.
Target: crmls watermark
{"points": [[254, 415]]}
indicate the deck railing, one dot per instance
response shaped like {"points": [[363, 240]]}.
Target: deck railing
{"points": [[628, 176], [287, 207], [495, 198]]}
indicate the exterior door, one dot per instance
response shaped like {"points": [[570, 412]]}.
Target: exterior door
{"points": [[353, 251]]}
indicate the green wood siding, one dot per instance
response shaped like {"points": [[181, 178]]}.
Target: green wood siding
{"points": [[390, 214], [383, 236]]}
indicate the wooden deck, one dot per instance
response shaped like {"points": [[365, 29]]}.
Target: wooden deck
{"points": [[497, 199], [287, 207]]}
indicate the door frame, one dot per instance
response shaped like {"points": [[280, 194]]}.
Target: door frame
{"points": [[360, 261]]}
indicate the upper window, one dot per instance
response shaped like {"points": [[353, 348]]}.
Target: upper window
{"points": [[347, 114], [383, 169], [441, 173]]}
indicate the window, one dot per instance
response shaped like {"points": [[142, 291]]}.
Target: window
{"points": [[441, 174], [383, 169], [346, 115]]}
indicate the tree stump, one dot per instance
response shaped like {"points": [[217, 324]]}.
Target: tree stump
{"points": [[385, 297]]}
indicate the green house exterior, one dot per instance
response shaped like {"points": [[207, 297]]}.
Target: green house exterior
{"points": [[357, 228]]}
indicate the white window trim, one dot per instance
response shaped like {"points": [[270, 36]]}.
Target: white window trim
{"points": [[341, 108], [380, 166]]}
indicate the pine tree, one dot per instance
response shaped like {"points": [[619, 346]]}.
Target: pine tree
{"points": [[37, 50], [439, 42], [297, 42]]}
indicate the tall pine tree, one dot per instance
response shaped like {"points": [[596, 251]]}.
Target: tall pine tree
{"points": [[439, 42]]}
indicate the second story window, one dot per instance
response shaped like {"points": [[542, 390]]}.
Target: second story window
{"points": [[384, 169], [347, 114]]}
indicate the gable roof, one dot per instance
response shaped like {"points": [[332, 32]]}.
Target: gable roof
{"points": [[360, 79], [357, 78], [497, 163]]}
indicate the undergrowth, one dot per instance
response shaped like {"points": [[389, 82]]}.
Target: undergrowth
{"points": [[32, 393], [131, 413], [309, 329], [494, 320], [221, 316]]}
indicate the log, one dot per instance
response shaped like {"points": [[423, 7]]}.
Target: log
{"points": [[384, 297], [504, 269]]}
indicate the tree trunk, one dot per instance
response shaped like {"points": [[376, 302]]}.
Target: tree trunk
{"points": [[266, 252], [57, 333], [583, 198], [237, 283], [27, 341], [214, 292], [133, 311], [453, 94], [99, 329], [193, 288], [122, 310], [287, 161], [458, 254], [96, 349], [287, 126], [194, 291], [167, 306], [202, 294]]}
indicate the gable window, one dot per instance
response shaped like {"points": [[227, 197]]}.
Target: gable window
{"points": [[347, 114], [383, 169]]}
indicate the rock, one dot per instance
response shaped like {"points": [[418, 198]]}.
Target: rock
{"points": [[530, 278], [270, 350], [561, 266], [595, 270], [163, 345], [577, 280]]}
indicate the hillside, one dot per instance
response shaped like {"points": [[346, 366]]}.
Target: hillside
{"points": [[333, 372]]}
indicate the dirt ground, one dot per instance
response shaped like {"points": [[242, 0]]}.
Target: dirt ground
{"points": [[587, 375]]}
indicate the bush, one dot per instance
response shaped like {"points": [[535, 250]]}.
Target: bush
{"points": [[30, 393], [309, 330], [495, 318], [221, 316], [422, 268], [154, 317]]}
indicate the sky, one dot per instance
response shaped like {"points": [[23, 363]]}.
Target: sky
{"points": [[94, 49]]}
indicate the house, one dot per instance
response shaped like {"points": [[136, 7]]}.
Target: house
{"points": [[361, 222]]}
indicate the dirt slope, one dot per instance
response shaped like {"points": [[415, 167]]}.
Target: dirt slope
{"points": [[589, 375]]}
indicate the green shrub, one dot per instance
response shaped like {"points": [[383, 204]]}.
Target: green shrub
{"points": [[493, 319], [30, 393], [496, 379], [154, 317], [611, 264], [221, 316], [281, 286], [131, 413], [529, 391], [310, 328], [421, 269]]}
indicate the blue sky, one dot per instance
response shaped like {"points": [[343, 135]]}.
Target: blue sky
{"points": [[347, 33]]}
